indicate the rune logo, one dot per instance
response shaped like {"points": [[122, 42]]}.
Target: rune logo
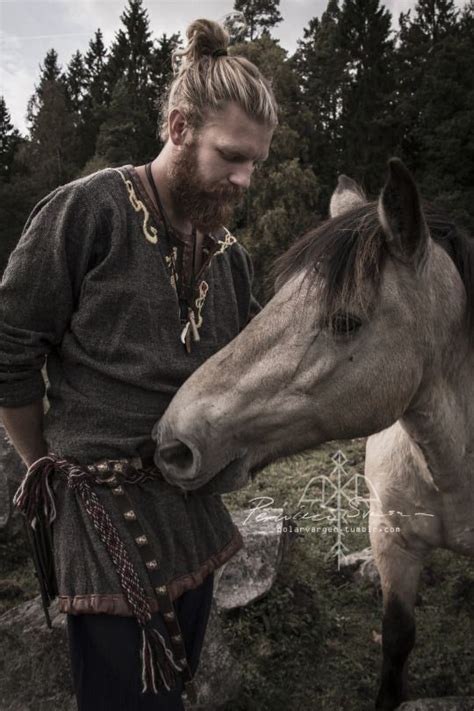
{"points": [[341, 497]]}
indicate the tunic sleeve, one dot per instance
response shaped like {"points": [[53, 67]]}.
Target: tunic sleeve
{"points": [[40, 288], [242, 269]]}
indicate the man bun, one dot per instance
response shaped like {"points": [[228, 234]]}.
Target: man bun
{"points": [[207, 78], [205, 39]]}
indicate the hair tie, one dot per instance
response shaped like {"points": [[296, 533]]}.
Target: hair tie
{"points": [[221, 52]]}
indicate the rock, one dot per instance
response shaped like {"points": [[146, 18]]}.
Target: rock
{"points": [[250, 574], [449, 703], [34, 663], [12, 470], [361, 568], [218, 679]]}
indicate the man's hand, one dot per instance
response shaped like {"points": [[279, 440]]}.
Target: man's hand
{"points": [[24, 426]]}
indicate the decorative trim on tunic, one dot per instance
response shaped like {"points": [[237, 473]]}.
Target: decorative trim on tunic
{"points": [[195, 319], [151, 233], [227, 242], [117, 604]]}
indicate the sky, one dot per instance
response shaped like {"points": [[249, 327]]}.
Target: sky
{"points": [[29, 28]]}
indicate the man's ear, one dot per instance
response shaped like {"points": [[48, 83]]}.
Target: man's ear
{"points": [[347, 195], [178, 127], [401, 214]]}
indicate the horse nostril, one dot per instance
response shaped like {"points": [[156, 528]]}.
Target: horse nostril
{"points": [[177, 454]]}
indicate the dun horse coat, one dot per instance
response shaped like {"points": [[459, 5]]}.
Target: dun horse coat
{"points": [[370, 333]]}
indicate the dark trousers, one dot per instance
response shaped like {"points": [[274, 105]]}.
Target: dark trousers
{"points": [[105, 655]]}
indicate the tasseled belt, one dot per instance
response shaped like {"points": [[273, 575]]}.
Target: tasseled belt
{"points": [[161, 660]]}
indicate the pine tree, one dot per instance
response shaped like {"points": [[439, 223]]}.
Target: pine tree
{"points": [[118, 141], [418, 40], [50, 71], [96, 98], [261, 15], [95, 62], [53, 130], [130, 63], [76, 82], [9, 140], [131, 52], [320, 64], [437, 46], [369, 132]]}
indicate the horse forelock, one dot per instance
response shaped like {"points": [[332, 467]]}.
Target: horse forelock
{"points": [[350, 251]]}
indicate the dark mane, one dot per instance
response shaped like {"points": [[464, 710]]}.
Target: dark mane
{"points": [[351, 251]]}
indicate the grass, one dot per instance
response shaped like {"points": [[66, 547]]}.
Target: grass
{"points": [[309, 642]]}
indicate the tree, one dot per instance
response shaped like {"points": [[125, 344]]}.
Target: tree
{"points": [[53, 130], [369, 131], [9, 140], [131, 61], [320, 64], [162, 70], [437, 100], [118, 139], [131, 52], [418, 39], [96, 98], [76, 82], [261, 15], [50, 71]]}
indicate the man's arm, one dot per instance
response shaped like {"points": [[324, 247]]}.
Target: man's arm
{"points": [[38, 293], [24, 426]]}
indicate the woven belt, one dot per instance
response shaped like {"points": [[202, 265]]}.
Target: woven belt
{"points": [[36, 501], [111, 472]]}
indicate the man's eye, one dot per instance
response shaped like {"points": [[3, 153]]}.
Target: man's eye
{"points": [[231, 158]]}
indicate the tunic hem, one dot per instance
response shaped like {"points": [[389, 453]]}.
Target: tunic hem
{"points": [[116, 604]]}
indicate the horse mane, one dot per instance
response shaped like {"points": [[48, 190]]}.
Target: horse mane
{"points": [[350, 250]]}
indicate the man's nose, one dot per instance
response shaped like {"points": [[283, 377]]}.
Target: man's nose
{"points": [[241, 176]]}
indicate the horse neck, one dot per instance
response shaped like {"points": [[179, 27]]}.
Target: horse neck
{"points": [[440, 420]]}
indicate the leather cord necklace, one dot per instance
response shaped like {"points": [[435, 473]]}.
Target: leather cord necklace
{"points": [[185, 289]]}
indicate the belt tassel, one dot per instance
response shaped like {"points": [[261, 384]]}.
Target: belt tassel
{"points": [[35, 499]]}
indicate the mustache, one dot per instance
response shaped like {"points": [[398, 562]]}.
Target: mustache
{"points": [[226, 193]]}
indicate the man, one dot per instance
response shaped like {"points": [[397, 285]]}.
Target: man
{"points": [[127, 281]]}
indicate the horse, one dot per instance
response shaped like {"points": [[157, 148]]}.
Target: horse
{"points": [[370, 334]]}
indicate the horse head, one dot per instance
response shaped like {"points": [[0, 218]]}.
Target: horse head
{"points": [[369, 307]]}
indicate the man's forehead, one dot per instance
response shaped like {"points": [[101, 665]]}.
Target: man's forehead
{"points": [[235, 132]]}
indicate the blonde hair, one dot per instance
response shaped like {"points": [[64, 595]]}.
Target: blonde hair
{"points": [[206, 78]]}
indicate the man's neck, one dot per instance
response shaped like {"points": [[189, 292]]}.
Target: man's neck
{"points": [[159, 170]]}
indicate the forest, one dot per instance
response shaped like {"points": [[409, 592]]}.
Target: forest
{"points": [[360, 87]]}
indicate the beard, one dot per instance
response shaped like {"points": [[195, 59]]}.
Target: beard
{"points": [[207, 207]]}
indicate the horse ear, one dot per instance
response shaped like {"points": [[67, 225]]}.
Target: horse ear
{"points": [[401, 214], [347, 195]]}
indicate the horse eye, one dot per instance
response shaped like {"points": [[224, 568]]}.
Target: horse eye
{"points": [[344, 324]]}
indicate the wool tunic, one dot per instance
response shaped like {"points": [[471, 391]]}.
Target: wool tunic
{"points": [[89, 290]]}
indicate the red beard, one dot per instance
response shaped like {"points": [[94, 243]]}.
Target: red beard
{"points": [[206, 208]]}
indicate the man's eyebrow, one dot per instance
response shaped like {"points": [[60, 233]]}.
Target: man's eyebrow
{"points": [[237, 151]]}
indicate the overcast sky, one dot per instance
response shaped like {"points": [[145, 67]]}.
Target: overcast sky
{"points": [[29, 28]]}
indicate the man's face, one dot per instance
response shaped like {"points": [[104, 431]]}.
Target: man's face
{"points": [[213, 167]]}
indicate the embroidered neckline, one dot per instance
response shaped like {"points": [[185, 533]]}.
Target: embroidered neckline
{"points": [[195, 317], [150, 232]]}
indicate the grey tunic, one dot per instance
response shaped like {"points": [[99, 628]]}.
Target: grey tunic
{"points": [[88, 288]]}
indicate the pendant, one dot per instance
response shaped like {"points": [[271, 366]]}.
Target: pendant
{"points": [[189, 330]]}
